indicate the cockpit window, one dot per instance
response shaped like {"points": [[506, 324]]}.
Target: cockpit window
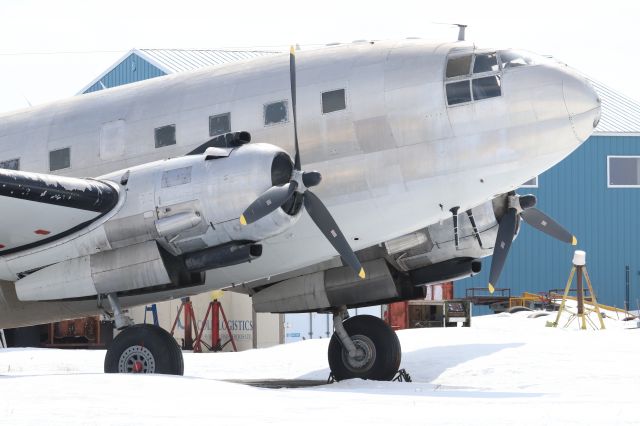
{"points": [[513, 58], [485, 62], [475, 77], [459, 66], [458, 92], [486, 87]]}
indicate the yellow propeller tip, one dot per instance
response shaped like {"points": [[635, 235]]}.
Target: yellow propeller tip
{"points": [[292, 50], [361, 274], [243, 221], [575, 241], [491, 288]]}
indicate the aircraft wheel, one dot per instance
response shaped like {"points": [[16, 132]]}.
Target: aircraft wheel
{"points": [[378, 350], [144, 348]]}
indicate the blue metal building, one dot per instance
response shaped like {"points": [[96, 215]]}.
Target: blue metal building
{"points": [[143, 64], [595, 192]]}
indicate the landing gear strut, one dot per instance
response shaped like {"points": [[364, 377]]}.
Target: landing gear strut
{"points": [[141, 348], [363, 347]]}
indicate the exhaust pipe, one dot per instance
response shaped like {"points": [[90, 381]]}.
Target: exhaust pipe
{"points": [[449, 270], [229, 254]]}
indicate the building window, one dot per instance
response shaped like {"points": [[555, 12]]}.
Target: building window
{"points": [[458, 92], [60, 159], [486, 87], [165, 135], [219, 124], [623, 171], [531, 183], [333, 101], [276, 112], [10, 164]]}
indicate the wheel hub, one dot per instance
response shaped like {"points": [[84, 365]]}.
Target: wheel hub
{"points": [[137, 359], [365, 354]]}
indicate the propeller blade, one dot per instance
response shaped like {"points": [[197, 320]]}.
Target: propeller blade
{"points": [[269, 201], [544, 223], [323, 220], [292, 76], [506, 232]]}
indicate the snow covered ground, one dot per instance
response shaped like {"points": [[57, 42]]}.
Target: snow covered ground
{"points": [[505, 369]]}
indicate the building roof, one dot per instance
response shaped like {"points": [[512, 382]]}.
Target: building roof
{"points": [[178, 60], [620, 114], [169, 61]]}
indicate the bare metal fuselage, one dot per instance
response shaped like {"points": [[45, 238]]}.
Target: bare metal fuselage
{"points": [[394, 161]]}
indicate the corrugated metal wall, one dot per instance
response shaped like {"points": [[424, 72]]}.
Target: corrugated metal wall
{"points": [[605, 220], [130, 70]]}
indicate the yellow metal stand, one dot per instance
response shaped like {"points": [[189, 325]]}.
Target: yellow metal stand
{"points": [[582, 312]]}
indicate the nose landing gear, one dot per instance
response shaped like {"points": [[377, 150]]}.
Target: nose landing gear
{"points": [[363, 347]]}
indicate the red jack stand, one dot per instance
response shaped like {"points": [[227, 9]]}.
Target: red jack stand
{"points": [[190, 324], [215, 309]]}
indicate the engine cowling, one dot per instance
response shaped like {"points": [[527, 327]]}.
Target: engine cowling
{"points": [[196, 204]]}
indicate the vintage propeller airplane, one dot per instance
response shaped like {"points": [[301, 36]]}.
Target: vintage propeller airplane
{"points": [[419, 147]]}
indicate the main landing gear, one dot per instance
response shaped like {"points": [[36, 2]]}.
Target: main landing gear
{"points": [[141, 348], [363, 347]]}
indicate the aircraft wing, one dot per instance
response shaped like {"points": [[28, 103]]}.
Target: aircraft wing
{"points": [[38, 208]]}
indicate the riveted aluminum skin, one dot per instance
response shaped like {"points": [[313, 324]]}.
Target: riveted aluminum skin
{"points": [[393, 162]]}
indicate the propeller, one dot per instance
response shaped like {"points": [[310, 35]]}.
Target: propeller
{"points": [[521, 206], [299, 184]]}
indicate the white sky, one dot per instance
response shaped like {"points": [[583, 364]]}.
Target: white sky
{"points": [[598, 38]]}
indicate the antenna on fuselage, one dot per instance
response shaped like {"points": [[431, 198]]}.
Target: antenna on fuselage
{"points": [[27, 100], [461, 30]]}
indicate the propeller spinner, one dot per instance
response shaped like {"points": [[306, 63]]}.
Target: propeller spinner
{"points": [[300, 182], [522, 207]]}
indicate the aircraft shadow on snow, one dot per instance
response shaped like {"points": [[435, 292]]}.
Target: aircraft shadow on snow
{"points": [[426, 365]]}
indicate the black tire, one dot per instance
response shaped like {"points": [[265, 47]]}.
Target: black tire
{"points": [[538, 314], [516, 309], [385, 362], [144, 347]]}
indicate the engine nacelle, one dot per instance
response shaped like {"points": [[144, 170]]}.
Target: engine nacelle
{"points": [[124, 269], [320, 291], [175, 219], [334, 287], [194, 202]]}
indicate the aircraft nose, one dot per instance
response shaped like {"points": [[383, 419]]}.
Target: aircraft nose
{"points": [[583, 105]]}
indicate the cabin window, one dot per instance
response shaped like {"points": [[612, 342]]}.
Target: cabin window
{"points": [[219, 124], [531, 183], [165, 135], [60, 159], [485, 62], [275, 113], [458, 92], [459, 66], [623, 171], [333, 101], [13, 164], [486, 87]]}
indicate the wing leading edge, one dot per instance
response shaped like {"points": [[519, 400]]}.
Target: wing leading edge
{"points": [[38, 208]]}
